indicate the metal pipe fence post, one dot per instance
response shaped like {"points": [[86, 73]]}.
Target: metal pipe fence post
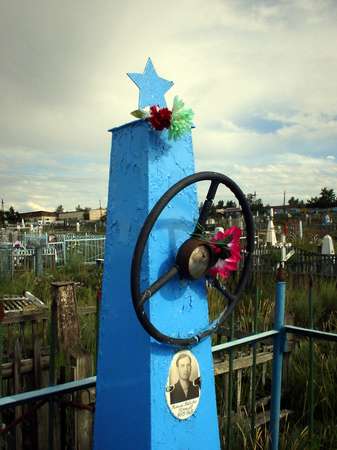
{"points": [[2, 316], [230, 386], [253, 373], [12, 263], [311, 366], [38, 260], [64, 251], [278, 349], [52, 367]]}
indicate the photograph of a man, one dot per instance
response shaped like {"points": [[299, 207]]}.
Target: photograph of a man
{"points": [[184, 389]]}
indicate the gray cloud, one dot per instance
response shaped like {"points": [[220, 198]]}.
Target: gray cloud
{"points": [[63, 85]]}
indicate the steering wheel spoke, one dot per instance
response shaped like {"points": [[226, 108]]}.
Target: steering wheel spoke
{"points": [[158, 284], [205, 210]]}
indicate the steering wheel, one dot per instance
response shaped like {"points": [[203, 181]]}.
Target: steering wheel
{"points": [[194, 257]]}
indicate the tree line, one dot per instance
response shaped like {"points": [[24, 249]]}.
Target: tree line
{"points": [[326, 199], [12, 216], [256, 205], [9, 216]]}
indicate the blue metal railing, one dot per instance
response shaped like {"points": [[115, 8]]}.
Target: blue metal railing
{"points": [[46, 393]]}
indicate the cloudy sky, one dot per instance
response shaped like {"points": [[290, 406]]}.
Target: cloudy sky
{"points": [[259, 75]]}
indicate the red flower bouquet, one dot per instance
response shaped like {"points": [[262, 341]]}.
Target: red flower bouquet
{"points": [[227, 246], [177, 121], [160, 118]]}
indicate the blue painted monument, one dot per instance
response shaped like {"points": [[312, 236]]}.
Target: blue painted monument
{"points": [[155, 383]]}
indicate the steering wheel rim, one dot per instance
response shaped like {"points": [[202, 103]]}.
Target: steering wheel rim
{"points": [[139, 299]]}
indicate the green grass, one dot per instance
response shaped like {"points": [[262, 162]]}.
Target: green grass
{"points": [[258, 297], [89, 281], [88, 277]]}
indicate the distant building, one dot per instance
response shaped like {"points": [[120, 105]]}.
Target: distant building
{"points": [[229, 211], [48, 217], [88, 214], [97, 214], [39, 217], [72, 215]]}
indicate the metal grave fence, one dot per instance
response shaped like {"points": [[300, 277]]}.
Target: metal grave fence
{"points": [[40, 257], [86, 249]]}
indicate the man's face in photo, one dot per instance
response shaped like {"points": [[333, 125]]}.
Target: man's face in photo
{"points": [[184, 368]]}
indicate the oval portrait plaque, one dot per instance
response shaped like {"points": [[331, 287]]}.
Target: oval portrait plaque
{"points": [[183, 385]]}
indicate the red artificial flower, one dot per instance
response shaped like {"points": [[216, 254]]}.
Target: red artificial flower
{"points": [[224, 267], [160, 118]]}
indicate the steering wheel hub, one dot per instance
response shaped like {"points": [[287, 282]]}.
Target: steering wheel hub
{"points": [[194, 258]]}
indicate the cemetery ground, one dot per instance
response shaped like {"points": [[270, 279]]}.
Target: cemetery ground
{"points": [[243, 379]]}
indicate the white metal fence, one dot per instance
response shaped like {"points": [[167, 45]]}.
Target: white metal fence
{"points": [[42, 255]]}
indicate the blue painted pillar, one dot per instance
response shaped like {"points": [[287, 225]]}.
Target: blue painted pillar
{"points": [[131, 409], [278, 350]]}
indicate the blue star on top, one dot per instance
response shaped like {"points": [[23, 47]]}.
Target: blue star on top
{"points": [[151, 87]]}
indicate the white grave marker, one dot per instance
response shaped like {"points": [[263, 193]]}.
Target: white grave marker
{"points": [[327, 245], [271, 235]]}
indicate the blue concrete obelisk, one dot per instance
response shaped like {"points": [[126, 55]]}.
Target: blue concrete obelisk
{"points": [[131, 409]]}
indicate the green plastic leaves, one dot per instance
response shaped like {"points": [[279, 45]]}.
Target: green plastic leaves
{"points": [[181, 121], [140, 114]]}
